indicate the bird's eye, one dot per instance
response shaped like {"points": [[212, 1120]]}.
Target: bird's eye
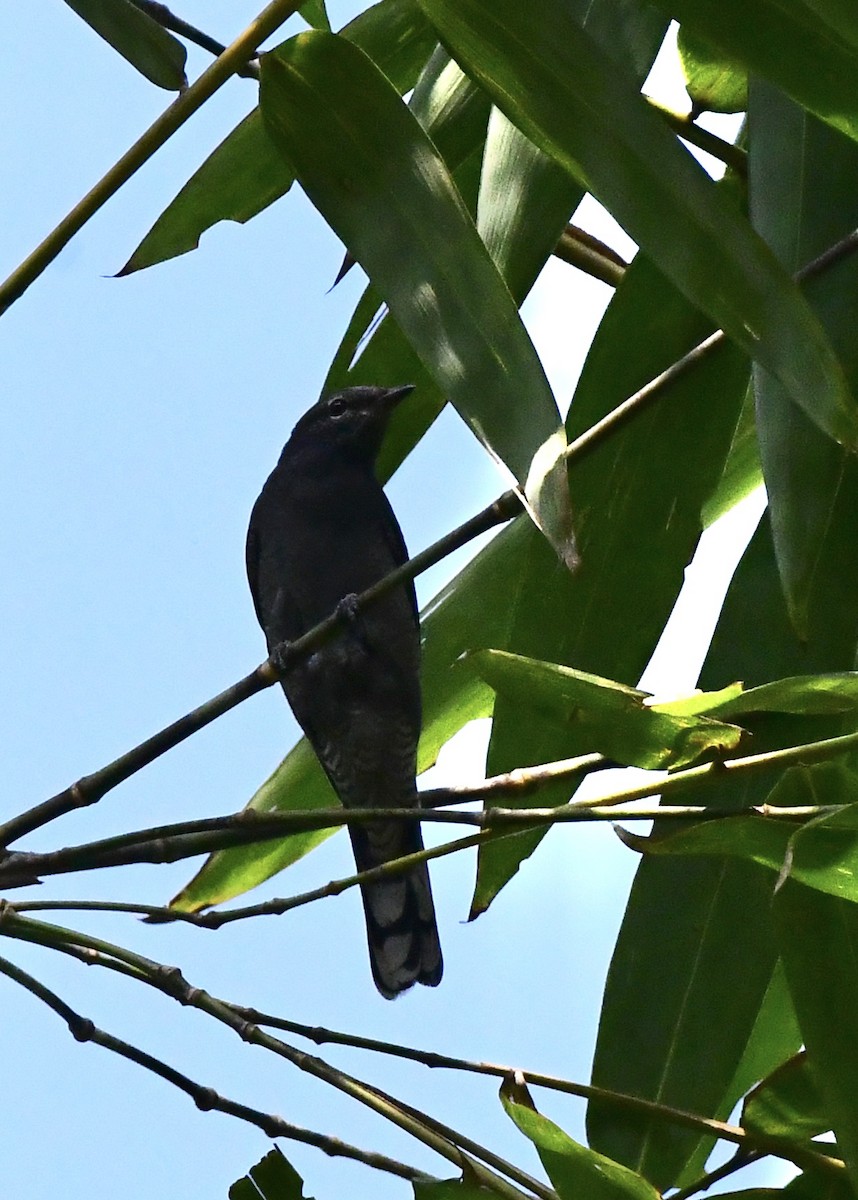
{"points": [[337, 407]]}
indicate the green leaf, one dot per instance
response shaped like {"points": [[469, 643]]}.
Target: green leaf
{"points": [[637, 498], [273, 1178], [804, 189], [138, 38], [569, 97], [809, 48], [743, 472], [574, 1170], [690, 1024], [757, 839], [694, 1014], [818, 1185], [787, 1104], [613, 719], [314, 13], [298, 783], [236, 182], [358, 151], [524, 203], [454, 112], [804, 695], [246, 173], [775, 1036], [822, 854], [818, 936], [714, 83], [451, 1189]]}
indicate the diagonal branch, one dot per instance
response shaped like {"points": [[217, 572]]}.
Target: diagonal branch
{"points": [[168, 20], [91, 788], [168, 843], [170, 981], [234, 57], [206, 1099]]}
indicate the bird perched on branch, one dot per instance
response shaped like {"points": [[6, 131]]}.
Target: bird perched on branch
{"points": [[322, 531]]}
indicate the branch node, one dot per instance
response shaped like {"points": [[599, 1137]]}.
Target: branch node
{"points": [[82, 1029], [206, 1099]]}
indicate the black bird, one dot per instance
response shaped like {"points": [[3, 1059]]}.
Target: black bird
{"points": [[321, 531]]}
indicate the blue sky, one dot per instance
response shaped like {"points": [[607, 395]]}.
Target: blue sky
{"points": [[140, 418]]}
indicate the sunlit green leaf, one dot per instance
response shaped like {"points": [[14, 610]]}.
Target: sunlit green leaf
{"points": [[612, 718], [714, 83], [574, 1170]]}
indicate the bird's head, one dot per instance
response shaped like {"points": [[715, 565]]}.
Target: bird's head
{"points": [[351, 421]]}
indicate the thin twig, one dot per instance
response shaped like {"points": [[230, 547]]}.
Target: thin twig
{"points": [[168, 843], [206, 1099], [746, 1139], [215, 75], [684, 124], [742, 1158], [171, 982], [223, 833], [246, 1022], [168, 20], [503, 509], [580, 249]]}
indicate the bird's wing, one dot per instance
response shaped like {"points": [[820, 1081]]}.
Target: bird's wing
{"points": [[398, 550], [251, 558]]}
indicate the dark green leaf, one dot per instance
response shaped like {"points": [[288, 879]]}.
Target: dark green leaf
{"points": [[804, 198], [246, 173], [570, 98], [612, 719], [818, 935], [273, 1178], [314, 13], [138, 38], [525, 202], [809, 48], [743, 471], [774, 1038], [236, 182], [787, 1104], [357, 150], [695, 1014]]}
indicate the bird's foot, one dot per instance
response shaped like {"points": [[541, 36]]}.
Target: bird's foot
{"points": [[281, 657], [348, 611]]}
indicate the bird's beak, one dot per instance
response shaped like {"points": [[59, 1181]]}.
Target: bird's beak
{"points": [[393, 395]]}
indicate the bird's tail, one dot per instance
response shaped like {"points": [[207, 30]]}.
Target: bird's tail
{"points": [[400, 917]]}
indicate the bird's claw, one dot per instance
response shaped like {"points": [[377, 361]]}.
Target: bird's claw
{"points": [[349, 612], [348, 609], [281, 657]]}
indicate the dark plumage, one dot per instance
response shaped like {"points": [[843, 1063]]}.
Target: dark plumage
{"points": [[323, 530]]}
